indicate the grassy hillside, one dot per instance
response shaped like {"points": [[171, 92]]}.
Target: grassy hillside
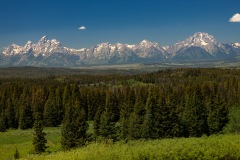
{"points": [[213, 147], [22, 139]]}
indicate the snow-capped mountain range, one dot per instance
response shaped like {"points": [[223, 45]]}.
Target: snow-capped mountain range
{"points": [[200, 46]]}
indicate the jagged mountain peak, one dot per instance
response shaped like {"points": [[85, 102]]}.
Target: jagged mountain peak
{"points": [[55, 41], [50, 52], [44, 39], [14, 45], [202, 34], [13, 49], [236, 45], [29, 42], [28, 45], [144, 42], [104, 44], [201, 39], [147, 43]]}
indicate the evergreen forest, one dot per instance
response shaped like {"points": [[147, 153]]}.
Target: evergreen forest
{"points": [[163, 104]]}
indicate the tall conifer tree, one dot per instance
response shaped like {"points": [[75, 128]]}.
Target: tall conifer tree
{"points": [[135, 129], [149, 119], [26, 114], [51, 112], [110, 117], [74, 127], [39, 140]]}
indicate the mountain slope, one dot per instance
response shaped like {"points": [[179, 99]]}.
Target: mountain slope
{"points": [[200, 46]]}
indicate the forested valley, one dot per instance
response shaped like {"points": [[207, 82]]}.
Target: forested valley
{"points": [[163, 104]]}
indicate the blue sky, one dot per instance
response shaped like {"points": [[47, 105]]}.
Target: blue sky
{"points": [[124, 21]]}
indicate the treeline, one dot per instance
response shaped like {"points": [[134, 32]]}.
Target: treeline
{"points": [[167, 103]]}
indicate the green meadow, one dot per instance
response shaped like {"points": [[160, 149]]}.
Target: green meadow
{"points": [[225, 147], [22, 140]]}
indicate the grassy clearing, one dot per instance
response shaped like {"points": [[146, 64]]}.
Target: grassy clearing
{"points": [[213, 147], [22, 139]]}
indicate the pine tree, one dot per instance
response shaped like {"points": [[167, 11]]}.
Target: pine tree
{"points": [[38, 100], [66, 95], [92, 103], [162, 114], [3, 126], [82, 125], [109, 118], [39, 140], [100, 109], [217, 116], [26, 114], [149, 119], [10, 114], [233, 126], [107, 126], [96, 122], [195, 115], [67, 129], [51, 113], [124, 118], [17, 114], [127, 107], [16, 154], [169, 121], [26, 117], [74, 127], [58, 103], [136, 119]]}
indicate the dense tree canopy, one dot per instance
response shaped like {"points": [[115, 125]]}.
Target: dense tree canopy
{"points": [[167, 103]]}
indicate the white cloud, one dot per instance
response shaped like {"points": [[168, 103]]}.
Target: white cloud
{"points": [[235, 18], [82, 28]]}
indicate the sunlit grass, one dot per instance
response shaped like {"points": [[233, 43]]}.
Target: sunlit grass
{"points": [[22, 140], [213, 147]]}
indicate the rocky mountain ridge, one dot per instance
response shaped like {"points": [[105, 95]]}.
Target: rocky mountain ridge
{"points": [[200, 46]]}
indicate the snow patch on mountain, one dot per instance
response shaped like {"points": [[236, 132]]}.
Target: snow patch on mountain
{"points": [[236, 45], [50, 52], [199, 39]]}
